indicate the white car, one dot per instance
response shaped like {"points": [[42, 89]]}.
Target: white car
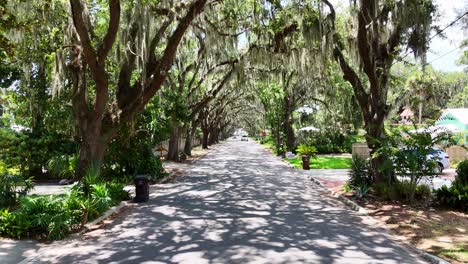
{"points": [[443, 160], [244, 138]]}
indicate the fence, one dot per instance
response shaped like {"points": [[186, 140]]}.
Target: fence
{"points": [[361, 150], [455, 153]]}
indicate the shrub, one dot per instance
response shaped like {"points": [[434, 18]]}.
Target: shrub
{"points": [[11, 187], [410, 157], [457, 195], [13, 225], [360, 177], [29, 151], [360, 173], [306, 150], [62, 166], [53, 217], [132, 156], [423, 192], [47, 216], [462, 173]]}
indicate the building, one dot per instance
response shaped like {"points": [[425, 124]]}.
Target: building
{"points": [[455, 120]]}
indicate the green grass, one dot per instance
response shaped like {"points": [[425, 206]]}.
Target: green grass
{"points": [[459, 254], [323, 162]]}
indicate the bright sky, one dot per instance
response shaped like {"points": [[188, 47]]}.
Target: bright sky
{"points": [[450, 10]]}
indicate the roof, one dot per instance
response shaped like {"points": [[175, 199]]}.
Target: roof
{"points": [[407, 112], [309, 128], [461, 114]]}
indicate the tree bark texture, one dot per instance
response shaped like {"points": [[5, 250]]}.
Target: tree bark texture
{"points": [[99, 122]]}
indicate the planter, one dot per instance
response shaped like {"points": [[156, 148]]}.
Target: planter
{"points": [[305, 162]]}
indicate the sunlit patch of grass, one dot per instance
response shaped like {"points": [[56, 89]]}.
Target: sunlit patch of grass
{"points": [[459, 254], [323, 162]]}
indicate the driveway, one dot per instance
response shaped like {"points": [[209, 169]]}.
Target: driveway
{"points": [[239, 204]]}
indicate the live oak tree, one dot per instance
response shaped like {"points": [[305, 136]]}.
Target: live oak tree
{"points": [[103, 100], [379, 31]]}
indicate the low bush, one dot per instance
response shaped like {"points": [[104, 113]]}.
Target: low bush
{"points": [[29, 152], [360, 177], [53, 217], [455, 196], [62, 166], [332, 141], [360, 173], [462, 173], [423, 192], [12, 187], [131, 157]]}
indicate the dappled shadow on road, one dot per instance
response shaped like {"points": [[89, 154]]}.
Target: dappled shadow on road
{"points": [[237, 205]]}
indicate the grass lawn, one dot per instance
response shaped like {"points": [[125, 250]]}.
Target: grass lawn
{"points": [[323, 162]]}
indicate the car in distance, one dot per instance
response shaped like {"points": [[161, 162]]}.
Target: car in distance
{"points": [[244, 138], [442, 159]]}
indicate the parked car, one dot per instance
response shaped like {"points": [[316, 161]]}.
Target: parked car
{"points": [[244, 138], [438, 155], [443, 160]]}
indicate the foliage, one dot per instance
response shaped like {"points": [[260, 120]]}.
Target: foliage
{"points": [[11, 187], [455, 196], [412, 155], [131, 156], [53, 217], [462, 173], [361, 191], [30, 153], [62, 166], [331, 141], [360, 175], [307, 150]]}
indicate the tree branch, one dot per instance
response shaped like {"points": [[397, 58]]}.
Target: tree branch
{"points": [[109, 38]]}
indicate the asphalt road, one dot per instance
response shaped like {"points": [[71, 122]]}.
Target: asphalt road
{"points": [[239, 204]]}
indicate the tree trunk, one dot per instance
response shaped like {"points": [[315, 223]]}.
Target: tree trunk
{"points": [[290, 136], [173, 151], [93, 147], [188, 142], [375, 137], [287, 124], [211, 137], [205, 139]]}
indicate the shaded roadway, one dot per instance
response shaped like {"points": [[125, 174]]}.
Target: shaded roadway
{"points": [[239, 204]]}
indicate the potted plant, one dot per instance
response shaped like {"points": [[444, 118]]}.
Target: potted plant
{"points": [[306, 152]]}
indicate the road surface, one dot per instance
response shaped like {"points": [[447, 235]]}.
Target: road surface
{"points": [[239, 204]]}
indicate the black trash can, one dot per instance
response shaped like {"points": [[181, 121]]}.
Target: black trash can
{"points": [[141, 189]]}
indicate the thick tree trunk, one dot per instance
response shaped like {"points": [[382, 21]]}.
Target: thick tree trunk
{"points": [[93, 147], [205, 139], [375, 137], [290, 136], [213, 137], [287, 124], [173, 151], [188, 141]]}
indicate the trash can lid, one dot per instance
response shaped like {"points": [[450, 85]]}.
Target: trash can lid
{"points": [[141, 177]]}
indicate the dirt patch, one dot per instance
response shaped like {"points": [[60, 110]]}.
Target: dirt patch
{"points": [[440, 232]]}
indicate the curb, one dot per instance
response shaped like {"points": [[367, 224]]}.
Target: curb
{"points": [[361, 210], [86, 228], [108, 213]]}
